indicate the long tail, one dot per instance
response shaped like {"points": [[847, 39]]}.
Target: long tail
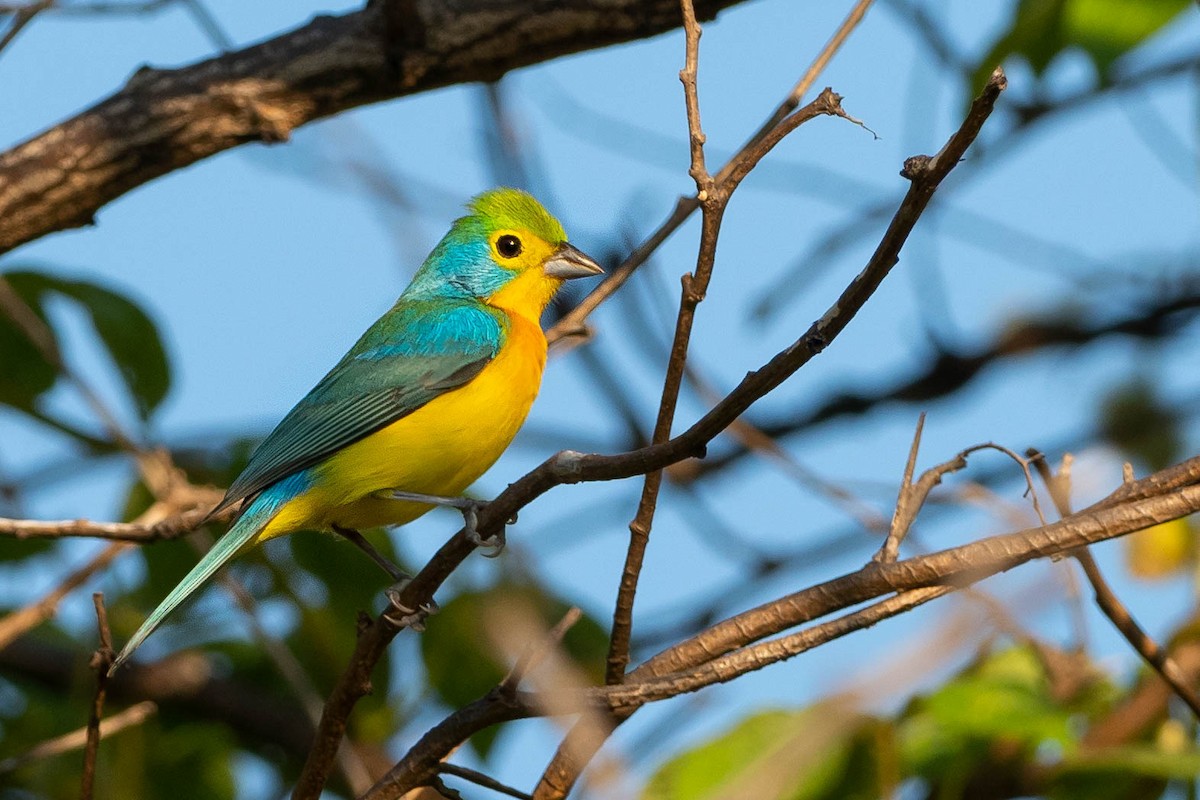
{"points": [[238, 539]]}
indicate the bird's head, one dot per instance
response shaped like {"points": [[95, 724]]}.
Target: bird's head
{"points": [[508, 252]]}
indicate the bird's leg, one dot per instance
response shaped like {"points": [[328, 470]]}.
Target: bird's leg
{"points": [[470, 509], [405, 617], [398, 575]]}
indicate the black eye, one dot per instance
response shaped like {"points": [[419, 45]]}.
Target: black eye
{"points": [[508, 246]]}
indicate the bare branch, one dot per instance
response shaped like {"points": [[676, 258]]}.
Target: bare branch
{"points": [[170, 528], [727, 649], [29, 617], [693, 291], [910, 499], [22, 16], [101, 660], [163, 120], [572, 324], [1150, 651], [570, 467], [128, 718], [480, 779]]}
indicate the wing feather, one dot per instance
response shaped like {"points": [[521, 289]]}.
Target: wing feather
{"points": [[409, 357]]}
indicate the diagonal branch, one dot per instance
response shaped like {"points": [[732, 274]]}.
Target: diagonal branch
{"points": [[735, 645], [925, 172], [165, 119], [1107, 600], [1153, 320], [694, 287]]}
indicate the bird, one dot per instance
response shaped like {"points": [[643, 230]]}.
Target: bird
{"points": [[420, 407]]}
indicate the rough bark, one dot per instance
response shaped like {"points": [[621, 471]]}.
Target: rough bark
{"points": [[165, 119]]}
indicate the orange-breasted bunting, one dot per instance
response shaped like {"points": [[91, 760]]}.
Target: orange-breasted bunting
{"points": [[424, 403]]}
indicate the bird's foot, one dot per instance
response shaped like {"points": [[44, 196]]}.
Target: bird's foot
{"points": [[402, 616], [489, 547], [470, 508]]}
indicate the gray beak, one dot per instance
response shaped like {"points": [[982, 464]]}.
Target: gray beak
{"points": [[570, 262]]}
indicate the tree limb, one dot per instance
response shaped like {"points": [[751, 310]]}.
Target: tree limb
{"points": [[727, 649], [166, 119]]}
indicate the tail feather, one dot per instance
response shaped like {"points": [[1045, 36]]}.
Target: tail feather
{"points": [[239, 538]]}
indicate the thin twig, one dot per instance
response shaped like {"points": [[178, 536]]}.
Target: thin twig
{"points": [[926, 174], [713, 197], [357, 776], [22, 16], [792, 101], [480, 779], [570, 467], [77, 739], [163, 512], [908, 503], [1150, 651], [101, 660], [533, 655], [573, 323], [694, 287], [1166, 495], [170, 528]]}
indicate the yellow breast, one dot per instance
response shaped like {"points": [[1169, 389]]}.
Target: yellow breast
{"points": [[441, 448]]}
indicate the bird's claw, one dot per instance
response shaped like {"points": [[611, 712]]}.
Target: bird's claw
{"points": [[402, 616], [490, 547], [470, 508]]}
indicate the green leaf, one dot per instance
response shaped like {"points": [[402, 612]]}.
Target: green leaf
{"points": [[771, 755], [1136, 420], [26, 373], [1107, 29], [1004, 699], [128, 334], [461, 663], [132, 340], [1103, 29]]}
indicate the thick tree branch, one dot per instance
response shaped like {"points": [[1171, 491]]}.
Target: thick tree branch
{"points": [[162, 120]]}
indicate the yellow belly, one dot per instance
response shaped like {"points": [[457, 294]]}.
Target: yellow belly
{"points": [[441, 448]]}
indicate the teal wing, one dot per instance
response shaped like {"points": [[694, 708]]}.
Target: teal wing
{"points": [[413, 354]]}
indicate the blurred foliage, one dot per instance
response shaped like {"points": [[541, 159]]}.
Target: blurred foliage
{"points": [[461, 657], [1136, 420], [1163, 550], [1105, 30], [810, 753], [127, 333], [1001, 727]]}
